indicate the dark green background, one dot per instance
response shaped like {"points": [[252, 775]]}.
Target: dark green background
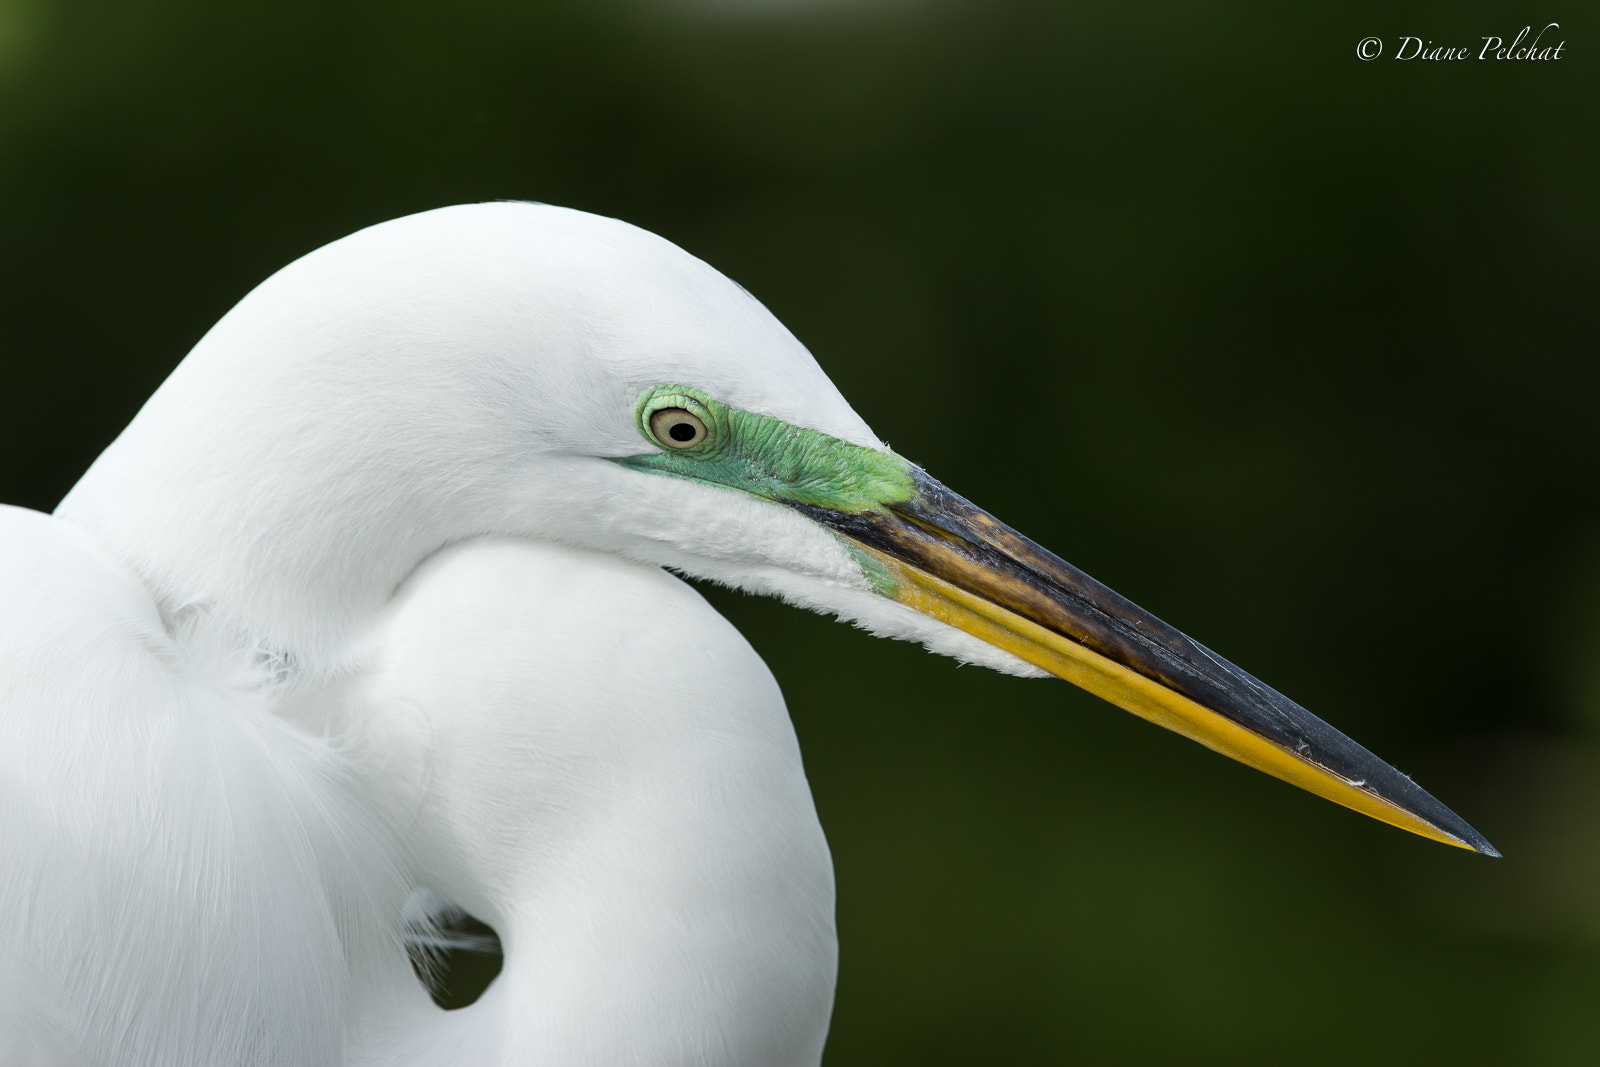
{"points": [[1297, 351]]}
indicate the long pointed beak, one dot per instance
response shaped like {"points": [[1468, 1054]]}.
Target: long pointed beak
{"points": [[961, 565]]}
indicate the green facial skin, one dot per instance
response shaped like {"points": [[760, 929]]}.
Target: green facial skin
{"points": [[769, 458]]}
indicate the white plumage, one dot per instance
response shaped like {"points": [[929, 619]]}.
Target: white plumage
{"points": [[358, 603]]}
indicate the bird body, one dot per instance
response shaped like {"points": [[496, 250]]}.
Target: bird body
{"points": [[650, 848], [372, 598], [187, 878]]}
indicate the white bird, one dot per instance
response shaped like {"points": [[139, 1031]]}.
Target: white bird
{"points": [[375, 596]]}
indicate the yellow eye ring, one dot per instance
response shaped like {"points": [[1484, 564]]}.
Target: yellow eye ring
{"points": [[677, 428]]}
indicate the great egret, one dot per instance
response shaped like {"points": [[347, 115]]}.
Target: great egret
{"points": [[371, 596]]}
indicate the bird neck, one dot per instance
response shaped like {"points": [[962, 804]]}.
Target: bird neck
{"points": [[594, 762], [281, 501]]}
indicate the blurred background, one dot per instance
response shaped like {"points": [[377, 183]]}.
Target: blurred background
{"points": [[1297, 351]]}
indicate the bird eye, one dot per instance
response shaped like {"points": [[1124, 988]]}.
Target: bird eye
{"points": [[677, 428]]}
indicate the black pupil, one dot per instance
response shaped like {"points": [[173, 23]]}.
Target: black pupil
{"points": [[681, 431]]}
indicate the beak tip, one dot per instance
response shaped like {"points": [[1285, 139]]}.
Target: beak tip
{"points": [[1462, 835]]}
